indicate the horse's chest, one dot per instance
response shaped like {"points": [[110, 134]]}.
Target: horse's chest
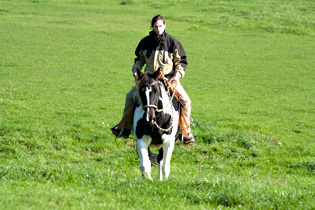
{"points": [[145, 128]]}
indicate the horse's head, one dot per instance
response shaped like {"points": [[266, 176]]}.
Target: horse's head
{"points": [[149, 91]]}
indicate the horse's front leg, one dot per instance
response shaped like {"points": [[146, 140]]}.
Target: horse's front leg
{"points": [[145, 163], [161, 163], [168, 147]]}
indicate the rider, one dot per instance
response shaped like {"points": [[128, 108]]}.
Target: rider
{"points": [[159, 50]]}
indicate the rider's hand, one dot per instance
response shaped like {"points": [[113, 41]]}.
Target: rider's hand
{"points": [[135, 75], [175, 78]]}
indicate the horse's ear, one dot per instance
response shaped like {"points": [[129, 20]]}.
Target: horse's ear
{"points": [[140, 74]]}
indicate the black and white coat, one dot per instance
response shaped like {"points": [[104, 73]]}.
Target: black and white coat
{"points": [[148, 134]]}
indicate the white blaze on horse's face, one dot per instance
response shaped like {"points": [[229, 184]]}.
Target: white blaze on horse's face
{"points": [[147, 94]]}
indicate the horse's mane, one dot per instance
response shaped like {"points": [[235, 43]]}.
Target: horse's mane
{"points": [[143, 80]]}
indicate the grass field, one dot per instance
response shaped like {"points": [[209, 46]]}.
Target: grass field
{"points": [[65, 67]]}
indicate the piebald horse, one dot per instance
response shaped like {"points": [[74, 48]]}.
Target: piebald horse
{"points": [[155, 122]]}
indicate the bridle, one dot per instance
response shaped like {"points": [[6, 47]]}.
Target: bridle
{"points": [[152, 105], [155, 107]]}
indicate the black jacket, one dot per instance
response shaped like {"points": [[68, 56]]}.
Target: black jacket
{"points": [[160, 51]]}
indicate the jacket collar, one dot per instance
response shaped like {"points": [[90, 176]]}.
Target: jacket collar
{"points": [[157, 37]]}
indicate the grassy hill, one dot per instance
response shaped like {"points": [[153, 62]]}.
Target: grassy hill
{"points": [[65, 67]]}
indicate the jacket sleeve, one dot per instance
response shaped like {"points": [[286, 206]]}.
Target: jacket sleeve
{"points": [[180, 60], [139, 60]]}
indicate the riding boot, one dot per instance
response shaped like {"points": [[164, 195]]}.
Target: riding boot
{"points": [[120, 129], [185, 134], [187, 138]]}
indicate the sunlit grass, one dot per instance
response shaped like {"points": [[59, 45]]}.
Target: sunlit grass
{"points": [[65, 67]]}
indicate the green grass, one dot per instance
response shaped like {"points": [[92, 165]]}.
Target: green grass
{"points": [[65, 67]]}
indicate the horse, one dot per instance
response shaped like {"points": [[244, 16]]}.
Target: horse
{"points": [[155, 122]]}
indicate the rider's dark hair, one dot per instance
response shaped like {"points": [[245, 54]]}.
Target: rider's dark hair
{"points": [[156, 18]]}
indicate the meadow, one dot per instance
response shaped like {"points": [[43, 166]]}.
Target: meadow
{"points": [[65, 67]]}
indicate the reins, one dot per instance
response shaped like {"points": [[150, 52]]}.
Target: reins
{"points": [[171, 99]]}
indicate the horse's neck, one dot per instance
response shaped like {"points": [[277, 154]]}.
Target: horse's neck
{"points": [[164, 96]]}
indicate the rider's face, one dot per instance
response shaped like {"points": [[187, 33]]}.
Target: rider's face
{"points": [[159, 27]]}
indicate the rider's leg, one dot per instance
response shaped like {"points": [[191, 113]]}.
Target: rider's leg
{"points": [[186, 102], [125, 125]]}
